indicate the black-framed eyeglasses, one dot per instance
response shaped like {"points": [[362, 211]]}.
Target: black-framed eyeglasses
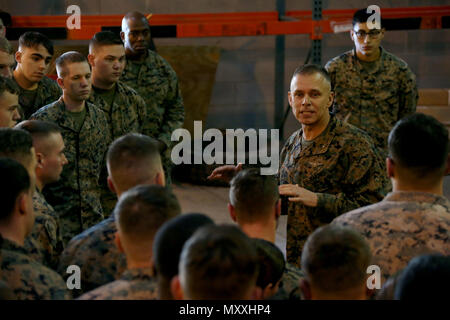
{"points": [[361, 34]]}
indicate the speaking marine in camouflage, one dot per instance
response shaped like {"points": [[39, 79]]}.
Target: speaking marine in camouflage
{"points": [[155, 81], [415, 218], [28, 279], [33, 59], [373, 88], [85, 130], [140, 212], [132, 160], [45, 243], [327, 167]]}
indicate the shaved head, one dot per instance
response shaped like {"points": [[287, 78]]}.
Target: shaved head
{"points": [[136, 16]]}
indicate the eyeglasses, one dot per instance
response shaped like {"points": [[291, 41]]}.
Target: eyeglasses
{"points": [[361, 34]]}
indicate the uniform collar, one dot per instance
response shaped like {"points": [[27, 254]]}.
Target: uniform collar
{"points": [[7, 244], [138, 273], [417, 196], [378, 63], [68, 122]]}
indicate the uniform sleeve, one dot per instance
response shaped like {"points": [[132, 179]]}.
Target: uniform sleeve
{"points": [[364, 184], [408, 94], [173, 111]]}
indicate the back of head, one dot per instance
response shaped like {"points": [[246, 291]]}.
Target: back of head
{"points": [[335, 259], [6, 18], [168, 243], [361, 16], [104, 38], [33, 39], [14, 181], [218, 262], [5, 46], [8, 85], [425, 277], [16, 144], [254, 196], [67, 58], [271, 263], [133, 159], [141, 210], [38, 129], [419, 143]]}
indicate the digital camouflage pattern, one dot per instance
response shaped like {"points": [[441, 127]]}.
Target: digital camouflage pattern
{"points": [[375, 99], [76, 196], [134, 284], [44, 244], [127, 113], [46, 92], [28, 279], [289, 288], [342, 166], [156, 82], [95, 252], [404, 225]]}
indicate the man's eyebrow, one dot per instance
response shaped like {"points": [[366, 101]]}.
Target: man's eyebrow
{"points": [[38, 55]]}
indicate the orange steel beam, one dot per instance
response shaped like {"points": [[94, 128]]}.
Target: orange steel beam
{"points": [[238, 24]]}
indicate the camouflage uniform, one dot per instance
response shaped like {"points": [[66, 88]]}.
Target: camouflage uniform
{"points": [[341, 166], [127, 114], [156, 82], [402, 226], [373, 100], [46, 92], [76, 196], [29, 279], [44, 244], [289, 288], [134, 284], [95, 252]]}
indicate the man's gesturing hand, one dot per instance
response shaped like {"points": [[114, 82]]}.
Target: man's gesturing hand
{"points": [[298, 194], [225, 173]]}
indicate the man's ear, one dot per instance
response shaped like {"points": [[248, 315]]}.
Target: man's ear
{"points": [[390, 167], [40, 160], [176, 289], [331, 99], [290, 98], [91, 59], [118, 242], [352, 35], [21, 203], [257, 293], [305, 287], [278, 209], [122, 36], [18, 56], [232, 212], [111, 185], [159, 179], [60, 82]]}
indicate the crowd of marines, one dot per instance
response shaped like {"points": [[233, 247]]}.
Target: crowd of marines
{"points": [[86, 178]]}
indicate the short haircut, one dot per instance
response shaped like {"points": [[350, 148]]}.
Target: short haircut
{"points": [[271, 263], [8, 85], [253, 194], [168, 243], [68, 58], [310, 69], [425, 277], [16, 144], [420, 143], [14, 180], [218, 262], [104, 38], [33, 39], [6, 18], [131, 153], [141, 210], [361, 16], [335, 258], [5, 46], [170, 238], [38, 128]]}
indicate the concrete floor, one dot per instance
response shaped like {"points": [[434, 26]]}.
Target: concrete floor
{"points": [[212, 201]]}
